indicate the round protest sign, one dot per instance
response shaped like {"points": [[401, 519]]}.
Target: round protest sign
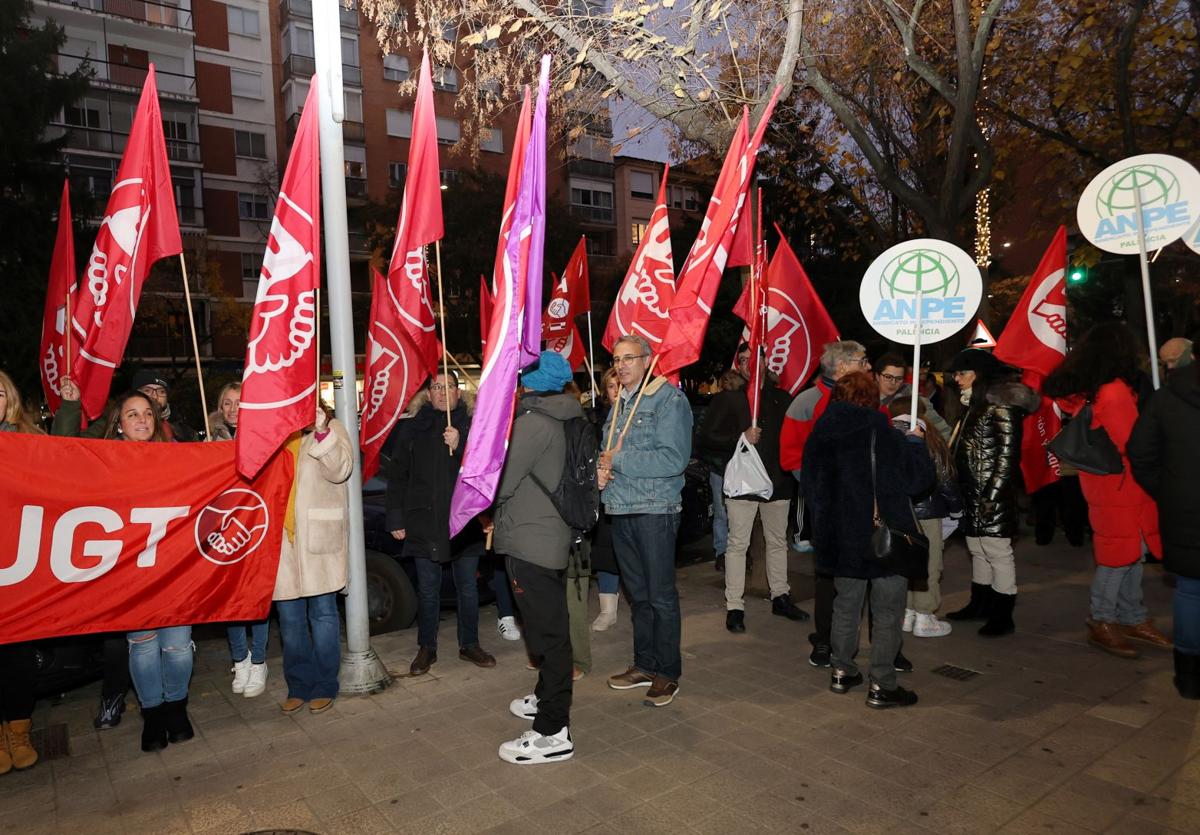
{"points": [[927, 281], [1167, 190], [1192, 238]]}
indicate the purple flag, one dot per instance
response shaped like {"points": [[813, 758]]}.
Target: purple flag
{"points": [[517, 304]]}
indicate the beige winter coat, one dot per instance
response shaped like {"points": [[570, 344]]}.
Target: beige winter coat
{"points": [[316, 562]]}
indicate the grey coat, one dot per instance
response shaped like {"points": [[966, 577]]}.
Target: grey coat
{"points": [[528, 526]]}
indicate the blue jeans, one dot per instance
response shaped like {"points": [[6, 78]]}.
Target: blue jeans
{"points": [[500, 588], [607, 582], [258, 641], [716, 480], [645, 547], [429, 600], [312, 646], [160, 664], [1187, 615], [1117, 594]]}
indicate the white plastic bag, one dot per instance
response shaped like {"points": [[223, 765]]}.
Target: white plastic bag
{"points": [[745, 475]]}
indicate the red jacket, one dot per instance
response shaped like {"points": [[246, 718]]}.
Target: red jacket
{"points": [[807, 406], [1122, 514]]}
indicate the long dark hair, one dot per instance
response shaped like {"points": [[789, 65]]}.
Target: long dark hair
{"points": [[113, 428], [1107, 352]]}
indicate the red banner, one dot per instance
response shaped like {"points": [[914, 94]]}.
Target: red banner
{"points": [[91, 544], [61, 293], [568, 300]]}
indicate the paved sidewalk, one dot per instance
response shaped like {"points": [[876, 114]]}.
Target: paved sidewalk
{"points": [[1052, 736]]}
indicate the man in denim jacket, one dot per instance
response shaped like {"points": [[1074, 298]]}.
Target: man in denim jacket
{"points": [[642, 477]]}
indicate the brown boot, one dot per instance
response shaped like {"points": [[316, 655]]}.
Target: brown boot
{"points": [[425, 659], [1147, 632], [1108, 637], [5, 758], [20, 747]]}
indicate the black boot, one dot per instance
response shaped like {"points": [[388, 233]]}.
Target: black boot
{"points": [[1000, 620], [1187, 675], [179, 729], [977, 607], [154, 731]]}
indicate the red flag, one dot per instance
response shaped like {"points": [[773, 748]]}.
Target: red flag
{"points": [[1035, 340], [420, 223], [280, 380], [578, 284], [394, 371], [558, 323], [486, 302], [140, 226], [697, 286], [52, 358], [649, 286]]}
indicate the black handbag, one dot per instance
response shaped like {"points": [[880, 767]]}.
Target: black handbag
{"points": [[900, 552], [1086, 449]]}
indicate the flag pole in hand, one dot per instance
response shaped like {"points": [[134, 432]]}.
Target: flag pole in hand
{"points": [[187, 297], [437, 251]]}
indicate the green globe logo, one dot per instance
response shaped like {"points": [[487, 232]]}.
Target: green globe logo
{"points": [[1118, 194], [924, 271]]}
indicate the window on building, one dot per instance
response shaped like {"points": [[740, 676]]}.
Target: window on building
{"points": [[450, 176], [251, 268], [600, 243], [684, 197], [350, 50], [174, 129], [86, 114], [253, 206], [299, 40], [641, 185], [356, 161], [397, 172], [491, 139], [594, 203], [352, 105], [399, 123], [395, 68], [242, 22], [446, 79], [184, 183], [448, 130], [97, 181], [250, 144], [246, 84], [638, 231]]}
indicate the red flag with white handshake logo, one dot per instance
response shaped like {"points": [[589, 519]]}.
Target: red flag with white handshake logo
{"points": [[52, 359], [280, 381], [797, 324], [140, 226], [568, 300], [649, 286]]}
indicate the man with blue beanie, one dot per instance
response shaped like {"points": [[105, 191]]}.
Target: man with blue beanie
{"points": [[536, 541]]}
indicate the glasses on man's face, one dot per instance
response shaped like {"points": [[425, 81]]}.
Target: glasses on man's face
{"points": [[891, 378], [627, 359], [439, 387]]}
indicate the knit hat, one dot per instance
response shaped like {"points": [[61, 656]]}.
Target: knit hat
{"points": [[978, 360], [550, 374], [148, 377]]}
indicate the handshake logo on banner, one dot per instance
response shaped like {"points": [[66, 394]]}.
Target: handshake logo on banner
{"points": [[231, 526], [925, 281]]}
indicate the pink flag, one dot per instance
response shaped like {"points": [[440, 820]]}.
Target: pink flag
{"points": [[521, 270], [52, 355], [280, 381]]}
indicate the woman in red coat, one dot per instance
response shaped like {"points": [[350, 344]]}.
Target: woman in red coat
{"points": [[1102, 370]]}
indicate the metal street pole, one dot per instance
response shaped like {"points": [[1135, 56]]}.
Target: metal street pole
{"points": [[361, 670]]}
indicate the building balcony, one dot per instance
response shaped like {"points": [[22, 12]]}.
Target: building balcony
{"points": [[302, 68], [166, 15], [112, 142], [302, 9], [594, 214], [590, 168], [360, 242], [351, 131], [127, 78]]}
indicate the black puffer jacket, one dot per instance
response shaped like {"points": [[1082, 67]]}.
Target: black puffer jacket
{"points": [[987, 453], [421, 481], [941, 500], [1164, 455]]}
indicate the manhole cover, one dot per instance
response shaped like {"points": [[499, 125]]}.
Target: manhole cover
{"points": [[52, 742], [956, 673]]}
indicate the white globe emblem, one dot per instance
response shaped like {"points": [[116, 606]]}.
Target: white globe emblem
{"points": [[231, 526]]}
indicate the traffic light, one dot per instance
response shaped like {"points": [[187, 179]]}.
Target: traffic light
{"points": [[1077, 275]]}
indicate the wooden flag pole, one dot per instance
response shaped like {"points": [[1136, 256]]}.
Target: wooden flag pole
{"points": [[458, 365], [187, 296], [67, 334], [591, 356], [317, 340], [612, 423], [437, 250]]}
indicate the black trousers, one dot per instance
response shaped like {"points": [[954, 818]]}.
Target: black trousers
{"points": [[541, 595], [17, 670], [116, 666], [1064, 499], [823, 595]]}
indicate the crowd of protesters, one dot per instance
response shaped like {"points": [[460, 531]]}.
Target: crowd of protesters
{"points": [[843, 461]]}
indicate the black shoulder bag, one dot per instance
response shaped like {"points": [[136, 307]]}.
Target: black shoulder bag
{"points": [[1086, 449], [899, 552]]}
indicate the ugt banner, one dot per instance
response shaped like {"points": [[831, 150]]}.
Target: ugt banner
{"points": [[114, 536]]}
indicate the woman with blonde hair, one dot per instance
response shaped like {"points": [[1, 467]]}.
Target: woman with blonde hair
{"points": [[223, 422]]}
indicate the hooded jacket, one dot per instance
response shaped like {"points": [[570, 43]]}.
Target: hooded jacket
{"points": [[728, 416], [648, 469], [987, 451], [1164, 454], [421, 479], [528, 526], [836, 481]]}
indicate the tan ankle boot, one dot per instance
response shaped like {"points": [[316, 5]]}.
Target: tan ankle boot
{"points": [[20, 747], [1108, 637], [5, 757]]}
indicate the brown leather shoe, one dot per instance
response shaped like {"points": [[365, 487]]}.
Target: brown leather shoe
{"points": [[425, 659], [477, 656], [1147, 632], [661, 693], [1108, 637], [631, 678], [320, 705], [291, 704]]}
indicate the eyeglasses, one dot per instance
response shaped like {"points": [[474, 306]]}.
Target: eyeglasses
{"points": [[628, 358], [440, 387], [891, 378]]}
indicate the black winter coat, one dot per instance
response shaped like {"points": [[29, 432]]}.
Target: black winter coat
{"points": [[421, 481], [836, 482], [987, 453], [728, 416], [941, 500], [1164, 455]]}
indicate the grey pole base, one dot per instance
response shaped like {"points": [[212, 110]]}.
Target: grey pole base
{"points": [[362, 673]]}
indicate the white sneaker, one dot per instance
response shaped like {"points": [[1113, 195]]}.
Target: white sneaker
{"points": [[531, 748], [257, 684], [508, 629], [525, 707], [910, 616], [802, 545], [241, 674], [928, 626]]}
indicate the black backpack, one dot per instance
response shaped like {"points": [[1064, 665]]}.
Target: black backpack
{"points": [[577, 497]]}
